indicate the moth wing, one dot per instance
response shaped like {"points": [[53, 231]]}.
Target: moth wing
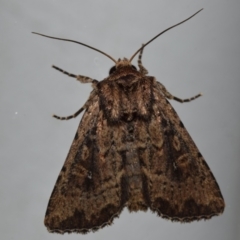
{"points": [[181, 186], [87, 194]]}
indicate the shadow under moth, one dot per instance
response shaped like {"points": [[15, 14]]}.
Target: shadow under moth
{"points": [[130, 150]]}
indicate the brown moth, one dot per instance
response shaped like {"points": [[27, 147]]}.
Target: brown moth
{"points": [[130, 150]]}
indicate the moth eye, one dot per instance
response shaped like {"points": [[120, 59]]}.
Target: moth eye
{"points": [[112, 70], [134, 67]]}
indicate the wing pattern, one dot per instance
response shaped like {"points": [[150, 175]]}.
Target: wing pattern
{"points": [[131, 150]]}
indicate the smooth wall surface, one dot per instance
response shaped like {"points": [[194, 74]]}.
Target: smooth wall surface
{"points": [[202, 55]]}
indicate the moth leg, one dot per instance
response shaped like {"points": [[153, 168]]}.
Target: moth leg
{"points": [[80, 78], [85, 106], [71, 116], [170, 96], [142, 69]]}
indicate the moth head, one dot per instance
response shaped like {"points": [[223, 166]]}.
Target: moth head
{"points": [[120, 64]]}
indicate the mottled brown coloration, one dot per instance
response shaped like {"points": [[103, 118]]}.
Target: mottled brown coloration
{"points": [[130, 150]]}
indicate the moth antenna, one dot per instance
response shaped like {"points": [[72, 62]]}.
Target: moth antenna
{"points": [[144, 45], [69, 40]]}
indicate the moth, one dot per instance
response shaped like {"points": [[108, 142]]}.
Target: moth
{"points": [[130, 150]]}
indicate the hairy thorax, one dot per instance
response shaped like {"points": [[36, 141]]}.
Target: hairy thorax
{"points": [[126, 94]]}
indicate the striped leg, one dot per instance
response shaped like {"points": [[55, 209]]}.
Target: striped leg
{"points": [[71, 116], [170, 96], [186, 99], [80, 78], [142, 69], [85, 106]]}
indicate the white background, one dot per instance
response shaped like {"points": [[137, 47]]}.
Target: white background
{"points": [[202, 55]]}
